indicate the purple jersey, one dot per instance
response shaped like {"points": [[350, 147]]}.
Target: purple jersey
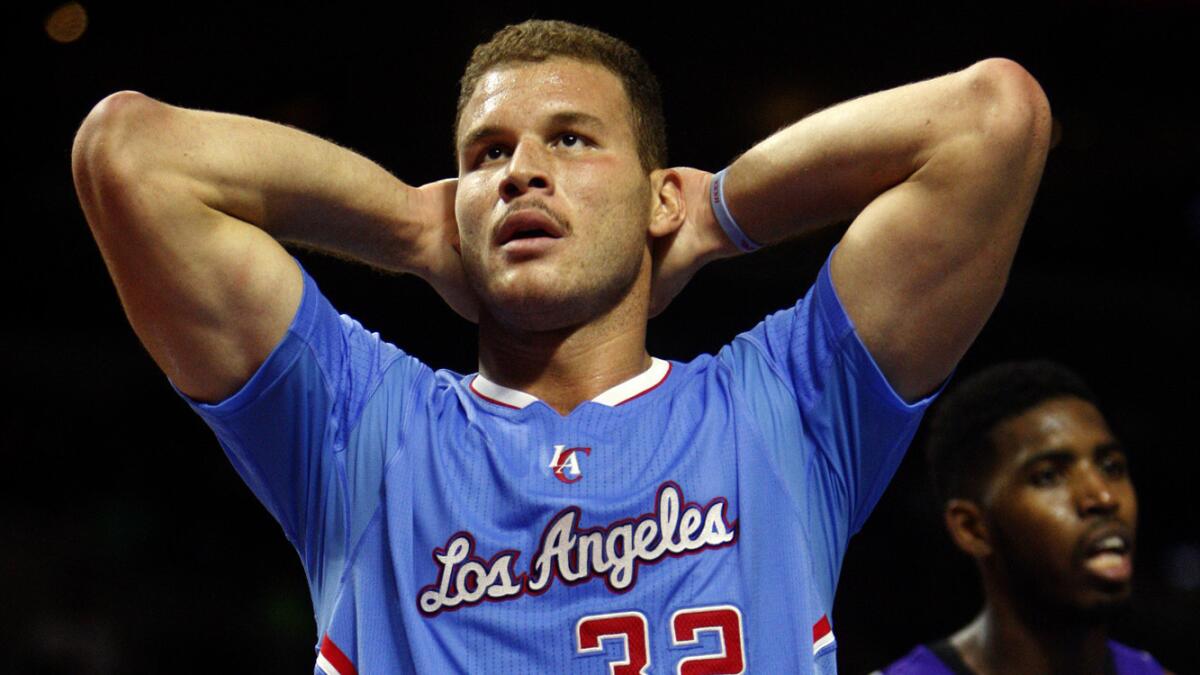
{"points": [[691, 519], [942, 659]]}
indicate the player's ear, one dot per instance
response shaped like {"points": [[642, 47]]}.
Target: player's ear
{"points": [[668, 210], [968, 528]]}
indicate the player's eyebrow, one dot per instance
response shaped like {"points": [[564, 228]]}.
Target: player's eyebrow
{"points": [[576, 118], [1055, 455], [476, 135], [1066, 456], [1109, 448], [559, 119]]}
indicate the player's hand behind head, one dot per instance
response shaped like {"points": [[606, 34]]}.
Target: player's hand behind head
{"points": [[700, 240], [439, 259]]}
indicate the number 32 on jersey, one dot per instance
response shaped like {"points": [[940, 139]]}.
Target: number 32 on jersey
{"points": [[686, 626]]}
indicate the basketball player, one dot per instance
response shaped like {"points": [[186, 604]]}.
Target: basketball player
{"points": [[576, 506], [1036, 489]]}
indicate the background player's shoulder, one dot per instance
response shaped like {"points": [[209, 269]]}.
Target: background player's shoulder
{"points": [[920, 661], [1132, 661]]}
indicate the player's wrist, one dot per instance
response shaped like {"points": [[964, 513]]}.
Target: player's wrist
{"points": [[734, 234]]}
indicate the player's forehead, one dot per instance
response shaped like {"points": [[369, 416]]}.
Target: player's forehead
{"points": [[521, 94], [1067, 424], [1061, 431]]}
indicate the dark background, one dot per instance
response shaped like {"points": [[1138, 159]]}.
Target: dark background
{"points": [[129, 545]]}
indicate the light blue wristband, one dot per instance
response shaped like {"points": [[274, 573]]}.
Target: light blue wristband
{"points": [[725, 218]]}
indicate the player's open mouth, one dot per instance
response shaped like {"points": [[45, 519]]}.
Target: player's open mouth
{"points": [[529, 224], [1109, 557]]}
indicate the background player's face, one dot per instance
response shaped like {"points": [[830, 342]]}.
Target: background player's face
{"points": [[1061, 506], [553, 204]]}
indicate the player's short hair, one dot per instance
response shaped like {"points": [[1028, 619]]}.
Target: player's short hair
{"points": [[959, 448], [535, 41]]}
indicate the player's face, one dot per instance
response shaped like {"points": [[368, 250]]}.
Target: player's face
{"points": [[553, 204], [1062, 507]]}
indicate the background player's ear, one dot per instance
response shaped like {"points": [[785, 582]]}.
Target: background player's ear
{"points": [[669, 208], [967, 527]]}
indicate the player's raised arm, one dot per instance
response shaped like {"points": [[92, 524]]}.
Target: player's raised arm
{"points": [[941, 175], [187, 206]]}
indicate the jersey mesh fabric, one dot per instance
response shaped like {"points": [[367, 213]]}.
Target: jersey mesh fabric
{"points": [[773, 452]]}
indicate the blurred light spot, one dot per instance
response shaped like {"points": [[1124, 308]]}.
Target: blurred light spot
{"points": [[67, 23], [1183, 567]]}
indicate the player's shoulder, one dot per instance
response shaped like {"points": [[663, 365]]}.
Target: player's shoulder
{"points": [[1133, 661], [348, 353], [705, 373], [938, 658]]}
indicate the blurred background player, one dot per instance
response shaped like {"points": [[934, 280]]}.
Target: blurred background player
{"points": [[1036, 488]]}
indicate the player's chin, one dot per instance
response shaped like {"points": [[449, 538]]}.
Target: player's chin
{"points": [[1104, 609], [536, 305], [1099, 603], [1111, 593]]}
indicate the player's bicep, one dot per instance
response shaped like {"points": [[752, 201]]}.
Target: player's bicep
{"points": [[922, 267]]}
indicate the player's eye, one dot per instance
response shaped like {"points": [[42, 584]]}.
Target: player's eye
{"points": [[569, 140], [1046, 475], [1114, 467], [489, 154]]}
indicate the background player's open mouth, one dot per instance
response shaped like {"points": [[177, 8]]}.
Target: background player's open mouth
{"points": [[1109, 559]]}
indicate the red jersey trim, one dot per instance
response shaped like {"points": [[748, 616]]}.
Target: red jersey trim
{"points": [[332, 661], [822, 634]]}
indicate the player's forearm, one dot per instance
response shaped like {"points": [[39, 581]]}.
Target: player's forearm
{"points": [[293, 185], [829, 166]]}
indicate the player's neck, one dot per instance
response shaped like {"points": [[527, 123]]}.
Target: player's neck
{"points": [[1005, 638], [568, 366]]}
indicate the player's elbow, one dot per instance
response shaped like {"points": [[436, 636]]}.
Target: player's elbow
{"points": [[111, 142], [110, 155], [1011, 110], [103, 144]]}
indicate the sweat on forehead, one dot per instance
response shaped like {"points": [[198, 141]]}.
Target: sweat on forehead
{"points": [[536, 41]]}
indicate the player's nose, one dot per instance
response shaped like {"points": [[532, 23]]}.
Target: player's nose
{"points": [[528, 170], [1094, 494]]}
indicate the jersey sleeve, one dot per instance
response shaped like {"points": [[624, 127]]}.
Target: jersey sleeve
{"points": [[834, 426], [286, 432]]}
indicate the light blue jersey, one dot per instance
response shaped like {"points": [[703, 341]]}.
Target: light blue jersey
{"points": [[692, 519]]}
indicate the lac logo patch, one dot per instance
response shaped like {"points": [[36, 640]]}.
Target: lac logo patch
{"points": [[565, 463]]}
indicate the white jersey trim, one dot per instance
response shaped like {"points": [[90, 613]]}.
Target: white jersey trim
{"points": [[496, 393], [325, 666], [615, 396], [822, 642]]}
